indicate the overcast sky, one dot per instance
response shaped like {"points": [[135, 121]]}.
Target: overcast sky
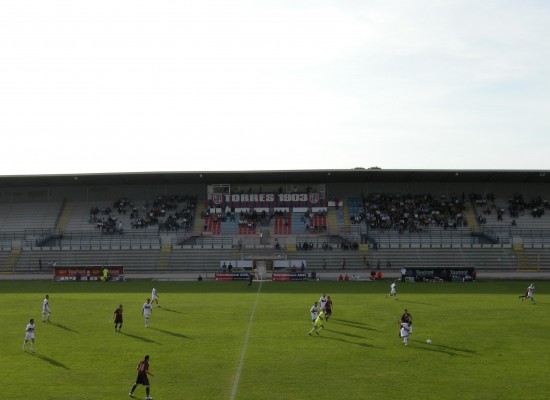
{"points": [[174, 85]]}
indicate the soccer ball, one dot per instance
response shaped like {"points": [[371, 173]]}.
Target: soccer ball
{"points": [[429, 341]]}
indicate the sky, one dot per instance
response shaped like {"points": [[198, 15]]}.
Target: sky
{"points": [[107, 86]]}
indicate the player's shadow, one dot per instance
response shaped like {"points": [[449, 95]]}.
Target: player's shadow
{"points": [[454, 348], [63, 327], [146, 340], [353, 324], [416, 302], [344, 333], [179, 335], [338, 339], [170, 310], [441, 349], [50, 360]]}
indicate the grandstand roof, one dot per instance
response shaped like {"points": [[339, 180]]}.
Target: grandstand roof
{"points": [[312, 176]]}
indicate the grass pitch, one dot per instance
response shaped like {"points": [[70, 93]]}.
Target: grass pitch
{"points": [[222, 340]]}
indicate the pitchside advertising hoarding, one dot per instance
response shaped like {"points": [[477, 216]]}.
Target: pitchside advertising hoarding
{"points": [[282, 276], [240, 276], [88, 273], [276, 276], [445, 274]]}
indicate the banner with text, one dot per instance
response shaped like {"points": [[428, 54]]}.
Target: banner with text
{"points": [[241, 276], [279, 276], [90, 273], [265, 200]]}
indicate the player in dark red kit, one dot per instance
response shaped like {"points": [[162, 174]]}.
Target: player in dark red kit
{"points": [[117, 316], [407, 319], [142, 377], [328, 308]]}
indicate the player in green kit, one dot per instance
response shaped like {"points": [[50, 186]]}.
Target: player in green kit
{"points": [[318, 324]]}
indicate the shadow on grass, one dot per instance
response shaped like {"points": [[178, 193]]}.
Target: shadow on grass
{"points": [[171, 333], [541, 304], [417, 302], [50, 360], [63, 327], [452, 351], [338, 339], [170, 310], [344, 333], [358, 325], [146, 340], [454, 348]]}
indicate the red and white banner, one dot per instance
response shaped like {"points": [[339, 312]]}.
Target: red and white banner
{"points": [[89, 273]]}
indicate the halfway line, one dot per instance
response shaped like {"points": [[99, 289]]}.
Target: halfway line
{"points": [[241, 362]]}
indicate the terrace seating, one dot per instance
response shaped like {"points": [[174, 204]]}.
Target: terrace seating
{"points": [[212, 223], [430, 237], [506, 218], [438, 243], [486, 258], [413, 212], [23, 216], [283, 224]]}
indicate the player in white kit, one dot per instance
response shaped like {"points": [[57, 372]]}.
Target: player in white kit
{"points": [[146, 311], [393, 291], [323, 302], [405, 333], [29, 335], [529, 294], [46, 309], [314, 310], [154, 297]]}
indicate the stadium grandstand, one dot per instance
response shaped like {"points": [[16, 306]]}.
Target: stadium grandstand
{"points": [[193, 222]]}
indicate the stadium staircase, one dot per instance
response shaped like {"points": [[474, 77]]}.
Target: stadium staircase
{"points": [[524, 263], [11, 260], [6, 263], [470, 216], [64, 218], [164, 258], [198, 224], [290, 249], [345, 210], [332, 221]]}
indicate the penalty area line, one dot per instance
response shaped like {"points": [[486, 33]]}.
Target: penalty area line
{"points": [[245, 345]]}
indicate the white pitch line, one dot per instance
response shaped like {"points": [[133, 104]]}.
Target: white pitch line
{"points": [[241, 362]]}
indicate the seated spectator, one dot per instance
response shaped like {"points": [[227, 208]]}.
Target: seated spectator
{"points": [[379, 275]]}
